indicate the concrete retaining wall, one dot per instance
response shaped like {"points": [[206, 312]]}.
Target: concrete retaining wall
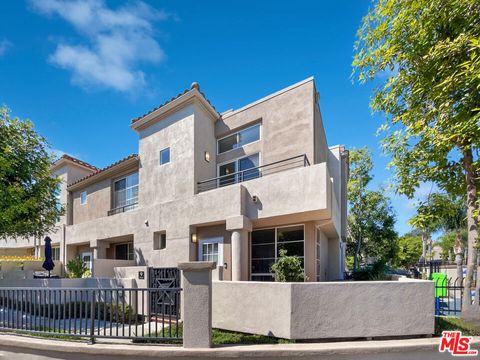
{"points": [[325, 310]]}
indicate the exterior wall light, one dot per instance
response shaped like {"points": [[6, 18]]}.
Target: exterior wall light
{"points": [[207, 156], [193, 237]]}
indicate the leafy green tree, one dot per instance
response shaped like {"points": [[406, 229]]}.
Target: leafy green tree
{"points": [[409, 250], [425, 58], [288, 268], [443, 212], [28, 202], [371, 219], [448, 240]]}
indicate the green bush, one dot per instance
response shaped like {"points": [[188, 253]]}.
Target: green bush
{"points": [[375, 271], [288, 268], [76, 268]]}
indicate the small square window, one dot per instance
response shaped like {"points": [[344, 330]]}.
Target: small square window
{"points": [[165, 156], [83, 198], [159, 240]]}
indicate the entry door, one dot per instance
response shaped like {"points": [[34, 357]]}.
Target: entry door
{"points": [[87, 259], [211, 249]]}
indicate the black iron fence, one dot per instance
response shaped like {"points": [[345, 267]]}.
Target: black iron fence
{"points": [[253, 173], [92, 313], [448, 296]]}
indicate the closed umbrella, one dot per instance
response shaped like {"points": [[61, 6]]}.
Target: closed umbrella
{"points": [[48, 263]]}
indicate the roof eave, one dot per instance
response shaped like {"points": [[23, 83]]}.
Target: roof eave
{"points": [[105, 174], [167, 109], [63, 162]]}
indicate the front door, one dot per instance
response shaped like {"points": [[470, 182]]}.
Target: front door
{"points": [[87, 259], [211, 249]]}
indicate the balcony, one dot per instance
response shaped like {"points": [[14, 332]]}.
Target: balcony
{"points": [[122, 209], [253, 173]]}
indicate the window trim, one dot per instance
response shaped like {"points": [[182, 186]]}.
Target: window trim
{"points": [[276, 247], [124, 177], [159, 234], [86, 197], [169, 156], [220, 240], [54, 250], [259, 123]]}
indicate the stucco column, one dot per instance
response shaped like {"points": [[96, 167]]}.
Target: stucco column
{"points": [[239, 227], [197, 303]]}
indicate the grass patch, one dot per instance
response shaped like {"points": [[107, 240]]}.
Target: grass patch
{"points": [[219, 337], [455, 324], [57, 335], [223, 337]]}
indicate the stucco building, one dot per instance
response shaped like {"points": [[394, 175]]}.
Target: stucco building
{"points": [[232, 187]]}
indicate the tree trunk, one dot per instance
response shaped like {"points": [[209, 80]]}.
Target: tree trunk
{"points": [[357, 253], [472, 232]]}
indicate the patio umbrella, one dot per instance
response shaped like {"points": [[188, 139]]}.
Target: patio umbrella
{"points": [[48, 263]]}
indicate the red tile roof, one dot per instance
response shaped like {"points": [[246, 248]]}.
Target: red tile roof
{"points": [[193, 86], [98, 171], [77, 161]]}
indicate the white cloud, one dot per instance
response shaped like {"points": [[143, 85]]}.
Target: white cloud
{"points": [[4, 45], [117, 40]]}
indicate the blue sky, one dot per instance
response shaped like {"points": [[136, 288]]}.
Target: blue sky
{"points": [[81, 70]]}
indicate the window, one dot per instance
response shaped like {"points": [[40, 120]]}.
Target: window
{"points": [[159, 240], [266, 246], [58, 202], [124, 251], [240, 166], [55, 253], [165, 156], [83, 197], [239, 139], [210, 252], [126, 192]]}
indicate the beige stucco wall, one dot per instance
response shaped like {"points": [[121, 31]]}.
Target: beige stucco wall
{"points": [[288, 112], [325, 310]]}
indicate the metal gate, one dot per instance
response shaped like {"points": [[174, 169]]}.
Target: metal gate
{"points": [[163, 302]]}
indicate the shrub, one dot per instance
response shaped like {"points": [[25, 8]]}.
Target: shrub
{"points": [[76, 268], [375, 271], [288, 268]]}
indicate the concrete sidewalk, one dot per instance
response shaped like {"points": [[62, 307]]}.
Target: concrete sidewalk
{"points": [[20, 348]]}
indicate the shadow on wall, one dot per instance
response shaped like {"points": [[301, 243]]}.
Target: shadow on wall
{"points": [[139, 258], [254, 205]]}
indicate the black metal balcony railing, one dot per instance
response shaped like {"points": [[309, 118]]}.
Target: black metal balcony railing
{"points": [[122, 209], [253, 173]]}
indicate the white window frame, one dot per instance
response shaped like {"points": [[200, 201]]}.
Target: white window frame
{"points": [[259, 123], [169, 156], [209, 241], [116, 206], [55, 251], [82, 201], [237, 160], [276, 247]]}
